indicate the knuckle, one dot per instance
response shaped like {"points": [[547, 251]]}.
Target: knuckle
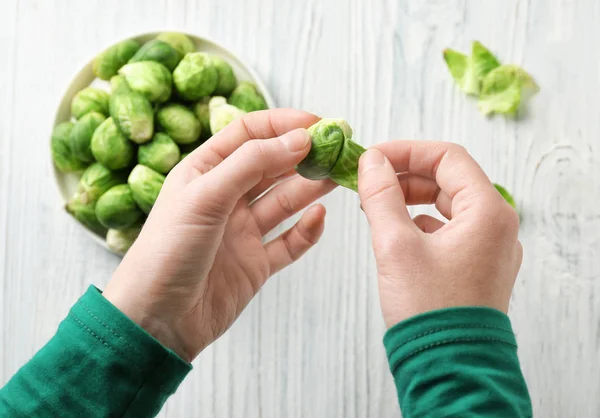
{"points": [[498, 216], [511, 218], [285, 204], [378, 190], [254, 149]]}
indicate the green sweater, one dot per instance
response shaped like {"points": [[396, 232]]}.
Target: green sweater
{"points": [[456, 362]]}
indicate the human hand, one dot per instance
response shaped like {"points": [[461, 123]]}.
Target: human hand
{"points": [[422, 263], [200, 257]]}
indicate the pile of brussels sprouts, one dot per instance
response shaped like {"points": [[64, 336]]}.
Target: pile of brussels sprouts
{"points": [[165, 99]]}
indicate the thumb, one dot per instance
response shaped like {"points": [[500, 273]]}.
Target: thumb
{"points": [[380, 193]]}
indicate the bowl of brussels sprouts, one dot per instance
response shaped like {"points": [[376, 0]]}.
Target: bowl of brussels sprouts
{"points": [[133, 113]]}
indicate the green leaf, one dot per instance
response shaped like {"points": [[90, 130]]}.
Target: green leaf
{"points": [[469, 72], [504, 89], [506, 195]]}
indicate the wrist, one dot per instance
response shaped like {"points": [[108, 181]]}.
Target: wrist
{"points": [[144, 315]]}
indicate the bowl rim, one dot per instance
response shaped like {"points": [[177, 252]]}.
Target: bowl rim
{"points": [[256, 79]]}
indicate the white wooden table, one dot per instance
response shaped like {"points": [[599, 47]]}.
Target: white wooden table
{"points": [[310, 344]]}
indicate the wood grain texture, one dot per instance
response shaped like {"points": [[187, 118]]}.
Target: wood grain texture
{"points": [[310, 343]]}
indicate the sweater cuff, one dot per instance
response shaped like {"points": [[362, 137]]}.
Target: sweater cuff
{"points": [[445, 326], [146, 360]]}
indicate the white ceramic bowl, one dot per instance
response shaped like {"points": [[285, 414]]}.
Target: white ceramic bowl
{"points": [[67, 183]]}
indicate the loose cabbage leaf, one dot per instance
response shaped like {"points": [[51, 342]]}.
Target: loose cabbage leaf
{"points": [[506, 195], [504, 89], [469, 72]]}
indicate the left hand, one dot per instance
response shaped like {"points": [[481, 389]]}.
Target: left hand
{"points": [[200, 257]]}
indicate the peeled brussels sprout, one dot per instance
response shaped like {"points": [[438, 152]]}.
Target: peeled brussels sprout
{"points": [[333, 154], [506, 195], [504, 89], [203, 115], [145, 184], [108, 63], [468, 72], [95, 181], [149, 78], [227, 80], [116, 208], [222, 114], [196, 76], [85, 212], [110, 147], [120, 240], [179, 123], [81, 135], [131, 111], [89, 99], [158, 51], [160, 154], [247, 97], [62, 152], [178, 41]]}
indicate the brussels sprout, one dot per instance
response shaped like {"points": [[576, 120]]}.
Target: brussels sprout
{"points": [[89, 99], [120, 240], [62, 153], [85, 213], [108, 63], [506, 195], [227, 80], [149, 78], [203, 115], [504, 89], [160, 154], [116, 208], [196, 76], [145, 185], [158, 51], [81, 135], [95, 181], [222, 114], [110, 147], [185, 154], [332, 154], [178, 41], [131, 111], [468, 72], [247, 97], [179, 122]]}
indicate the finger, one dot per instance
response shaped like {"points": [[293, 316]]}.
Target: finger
{"points": [[450, 165], [296, 241], [287, 199], [255, 125], [254, 161], [380, 193], [428, 224], [266, 184], [419, 190]]}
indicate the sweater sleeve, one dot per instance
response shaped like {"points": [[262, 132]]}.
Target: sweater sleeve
{"points": [[99, 364], [457, 362]]}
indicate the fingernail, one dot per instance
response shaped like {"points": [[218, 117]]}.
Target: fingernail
{"points": [[371, 159], [296, 140]]}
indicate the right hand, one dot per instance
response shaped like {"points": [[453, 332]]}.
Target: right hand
{"points": [[424, 264]]}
